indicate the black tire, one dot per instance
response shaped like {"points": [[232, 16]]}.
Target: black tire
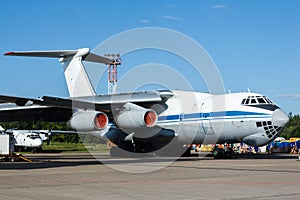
{"points": [[223, 153], [217, 153], [229, 154]]}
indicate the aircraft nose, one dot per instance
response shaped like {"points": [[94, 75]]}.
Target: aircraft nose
{"points": [[38, 142], [279, 118]]}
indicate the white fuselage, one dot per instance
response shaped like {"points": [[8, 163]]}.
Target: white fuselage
{"points": [[205, 118], [24, 138]]}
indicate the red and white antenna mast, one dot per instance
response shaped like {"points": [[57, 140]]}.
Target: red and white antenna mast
{"points": [[113, 72]]}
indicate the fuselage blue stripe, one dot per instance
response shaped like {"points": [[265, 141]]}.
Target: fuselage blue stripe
{"points": [[213, 115]]}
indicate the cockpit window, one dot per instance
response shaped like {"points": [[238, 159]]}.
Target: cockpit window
{"points": [[247, 101], [33, 136], [253, 100], [261, 100], [268, 100]]}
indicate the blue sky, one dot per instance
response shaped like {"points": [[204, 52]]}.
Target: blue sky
{"points": [[255, 44]]}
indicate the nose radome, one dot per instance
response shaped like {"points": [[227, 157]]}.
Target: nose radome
{"points": [[38, 142], [279, 118]]}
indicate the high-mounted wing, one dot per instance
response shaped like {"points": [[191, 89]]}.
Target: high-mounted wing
{"points": [[12, 112], [30, 109], [60, 109]]}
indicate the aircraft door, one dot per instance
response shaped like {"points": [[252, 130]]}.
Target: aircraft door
{"points": [[206, 120]]}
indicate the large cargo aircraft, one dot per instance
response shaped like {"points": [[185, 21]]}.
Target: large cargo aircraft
{"points": [[161, 121]]}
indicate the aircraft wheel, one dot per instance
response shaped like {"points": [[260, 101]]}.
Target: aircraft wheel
{"points": [[219, 153], [229, 154]]}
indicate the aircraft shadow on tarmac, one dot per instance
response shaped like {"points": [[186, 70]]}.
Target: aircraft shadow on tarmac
{"points": [[66, 160], [61, 162]]}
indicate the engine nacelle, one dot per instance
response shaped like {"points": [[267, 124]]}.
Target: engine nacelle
{"points": [[136, 118], [88, 121]]}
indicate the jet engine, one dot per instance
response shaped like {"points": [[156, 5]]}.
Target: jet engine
{"points": [[136, 117], [88, 121]]}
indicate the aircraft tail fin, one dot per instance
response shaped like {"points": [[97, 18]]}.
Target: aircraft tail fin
{"points": [[76, 77]]}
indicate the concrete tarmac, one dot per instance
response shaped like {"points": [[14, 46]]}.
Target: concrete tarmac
{"points": [[81, 176]]}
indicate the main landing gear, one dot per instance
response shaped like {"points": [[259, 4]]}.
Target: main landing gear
{"points": [[222, 153]]}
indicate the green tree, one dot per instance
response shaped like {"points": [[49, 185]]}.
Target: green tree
{"points": [[293, 127]]}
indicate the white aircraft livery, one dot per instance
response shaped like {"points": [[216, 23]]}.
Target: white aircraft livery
{"points": [[161, 121], [24, 138]]}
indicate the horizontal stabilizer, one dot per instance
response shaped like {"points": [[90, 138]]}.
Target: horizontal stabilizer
{"points": [[51, 54], [76, 76], [84, 53], [97, 59]]}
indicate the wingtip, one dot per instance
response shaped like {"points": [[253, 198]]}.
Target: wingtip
{"points": [[9, 53]]}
